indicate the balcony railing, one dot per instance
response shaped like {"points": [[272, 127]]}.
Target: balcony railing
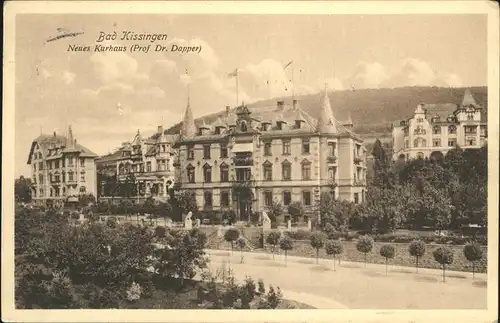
{"points": [[243, 183], [243, 161]]}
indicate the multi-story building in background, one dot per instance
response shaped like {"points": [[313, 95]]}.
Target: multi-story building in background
{"points": [[145, 163], [437, 128], [249, 158], [61, 169]]}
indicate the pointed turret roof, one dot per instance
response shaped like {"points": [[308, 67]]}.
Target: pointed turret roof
{"points": [[188, 127], [326, 121], [70, 142], [137, 139], [468, 99]]}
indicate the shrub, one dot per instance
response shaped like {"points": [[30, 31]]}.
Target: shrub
{"points": [[231, 236], [317, 242], [473, 253], [286, 244], [444, 256], [365, 245], [296, 210], [333, 247], [417, 250], [134, 292], [112, 222], [160, 232], [261, 288], [387, 251], [75, 215], [273, 238], [299, 234]]}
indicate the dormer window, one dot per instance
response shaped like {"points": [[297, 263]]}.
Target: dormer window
{"points": [[243, 126], [281, 125], [265, 126], [298, 124]]}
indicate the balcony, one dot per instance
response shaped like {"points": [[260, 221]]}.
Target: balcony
{"points": [[243, 161], [243, 183], [331, 159]]}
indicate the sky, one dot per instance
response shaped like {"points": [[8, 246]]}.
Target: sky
{"points": [[107, 96]]}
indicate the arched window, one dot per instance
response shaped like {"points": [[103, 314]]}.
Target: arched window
{"points": [[82, 189], [207, 173], [416, 142], [224, 172], [452, 129], [190, 173], [243, 126]]}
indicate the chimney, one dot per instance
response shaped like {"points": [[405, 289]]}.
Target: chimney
{"points": [[160, 129], [280, 105], [295, 103], [75, 142], [227, 109], [54, 134]]}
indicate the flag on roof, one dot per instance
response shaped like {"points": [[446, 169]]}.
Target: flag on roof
{"points": [[233, 74]]}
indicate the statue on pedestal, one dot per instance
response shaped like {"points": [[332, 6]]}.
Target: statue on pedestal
{"points": [[188, 221], [266, 221]]}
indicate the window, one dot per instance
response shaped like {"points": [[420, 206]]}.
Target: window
{"points": [[267, 149], [148, 167], [470, 116], [208, 198], [420, 155], [70, 176], [206, 151], [82, 162], [224, 199], [286, 170], [471, 141], [207, 173], [331, 149], [224, 173], [223, 151], [452, 130], [306, 170], [436, 130], [57, 164], [470, 130], [70, 161], [82, 177], [420, 120], [34, 167], [356, 198], [306, 198], [190, 174], [436, 143], [287, 197], [407, 143], [82, 189], [306, 146], [419, 142], [40, 166], [332, 172], [268, 198], [190, 152], [452, 143], [268, 171], [286, 147], [243, 126]]}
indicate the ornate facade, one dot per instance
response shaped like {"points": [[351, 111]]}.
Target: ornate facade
{"points": [[248, 158], [61, 169], [440, 127], [147, 163]]}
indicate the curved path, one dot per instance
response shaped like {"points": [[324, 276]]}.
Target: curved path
{"points": [[353, 286]]}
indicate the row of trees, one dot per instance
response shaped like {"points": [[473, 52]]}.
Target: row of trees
{"points": [[442, 192]]}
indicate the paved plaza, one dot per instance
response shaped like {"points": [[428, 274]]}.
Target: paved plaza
{"points": [[353, 286]]}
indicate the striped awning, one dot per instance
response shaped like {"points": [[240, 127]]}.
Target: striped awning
{"points": [[242, 147]]}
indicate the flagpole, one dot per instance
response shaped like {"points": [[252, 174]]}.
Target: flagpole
{"points": [[237, 90]]}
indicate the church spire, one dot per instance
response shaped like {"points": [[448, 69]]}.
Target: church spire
{"points": [[70, 141], [188, 127], [326, 121], [468, 99]]}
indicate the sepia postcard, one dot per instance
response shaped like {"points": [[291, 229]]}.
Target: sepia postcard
{"points": [[250, 161]]}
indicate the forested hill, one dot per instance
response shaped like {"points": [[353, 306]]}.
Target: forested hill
{"points": [[374, 110]]}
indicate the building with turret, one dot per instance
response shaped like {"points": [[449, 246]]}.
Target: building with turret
{"points": [[434, 129], [61, 169], [140, 168], [248, 158]]}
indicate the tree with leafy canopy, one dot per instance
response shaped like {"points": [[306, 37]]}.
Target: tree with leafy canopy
{"points": [[275, 210], [365, 245], [382, 176], [387, 251], [334, 212], [317, 241], [444, 256], [231, 235], [22, 189], [286, 244], [296, 210], [333, 247], [417, 250], [273, 238], [473, 253], [186, 201], [242, 243]]}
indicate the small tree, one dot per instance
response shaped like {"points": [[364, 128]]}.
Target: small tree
{"points": [[296, 210], [286, 244], [231, 236], [473, 253], [365, 245], [160, 232], [241, 243], [417, 250], [261, 287], [333, 247], [444, 256], [387, 251], [317, 242], [273, 238]]}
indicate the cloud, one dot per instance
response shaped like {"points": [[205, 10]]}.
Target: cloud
{"points": [[68, 77], [367, 75]]}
